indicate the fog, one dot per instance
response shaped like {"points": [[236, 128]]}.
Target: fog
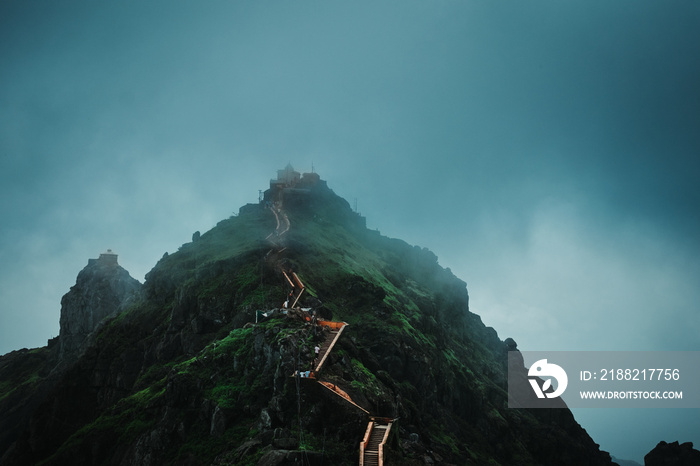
{"points": [[547, 153]]}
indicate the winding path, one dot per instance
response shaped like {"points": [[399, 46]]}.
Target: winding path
{"points": [[282, 222], [377, 433]]}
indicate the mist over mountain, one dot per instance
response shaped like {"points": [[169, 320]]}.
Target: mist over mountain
{"points": [[289, 332]]}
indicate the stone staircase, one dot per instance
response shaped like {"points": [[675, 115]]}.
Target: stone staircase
{"points": [[372, 446], [327, 345]]}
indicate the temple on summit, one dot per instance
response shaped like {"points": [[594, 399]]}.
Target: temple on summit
{"points": [[288, 178], [108, 258]]}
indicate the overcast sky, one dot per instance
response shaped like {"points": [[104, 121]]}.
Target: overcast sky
{"points": [[547, 152]]}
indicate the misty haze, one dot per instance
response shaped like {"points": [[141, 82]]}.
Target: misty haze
{"points": [[438, 183]]}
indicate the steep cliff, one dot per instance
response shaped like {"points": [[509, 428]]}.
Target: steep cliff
{"points": [[102, 289], [198, 369]]}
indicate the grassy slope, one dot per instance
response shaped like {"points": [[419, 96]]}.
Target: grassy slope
{"points": [[363, 280], [422, 308], [411, 338]]}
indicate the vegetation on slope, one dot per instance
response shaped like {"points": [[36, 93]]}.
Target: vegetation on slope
{"points": [[185, 377]]}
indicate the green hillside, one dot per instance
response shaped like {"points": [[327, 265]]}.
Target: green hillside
{"points": [[186, 376]]}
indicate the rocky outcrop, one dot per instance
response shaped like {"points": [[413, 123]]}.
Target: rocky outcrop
{"points": [[673, 454], [102, 289]]}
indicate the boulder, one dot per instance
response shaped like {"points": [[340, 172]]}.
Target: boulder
{"points": [[673, 454]]}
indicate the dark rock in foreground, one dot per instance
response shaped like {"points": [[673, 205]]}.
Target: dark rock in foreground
{"points": [[673, 454]]}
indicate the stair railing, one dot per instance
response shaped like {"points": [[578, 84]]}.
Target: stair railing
{"points": [[381, 445], [365, 441]]}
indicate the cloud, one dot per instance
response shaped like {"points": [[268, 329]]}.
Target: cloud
{"points": [[546, 153], [576, 283]]}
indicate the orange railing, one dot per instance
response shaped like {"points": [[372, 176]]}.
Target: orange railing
{"points": [[368, 433], [341, 393], [364, 442], [330, 348], [331, 324], [381, 445]]}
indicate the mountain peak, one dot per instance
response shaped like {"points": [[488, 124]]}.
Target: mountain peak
{"points": [[204, 368], [306, 194], [102, 290]]}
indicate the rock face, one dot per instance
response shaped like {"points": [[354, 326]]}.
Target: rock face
{"points": [[102, 289], [673, 454]]}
